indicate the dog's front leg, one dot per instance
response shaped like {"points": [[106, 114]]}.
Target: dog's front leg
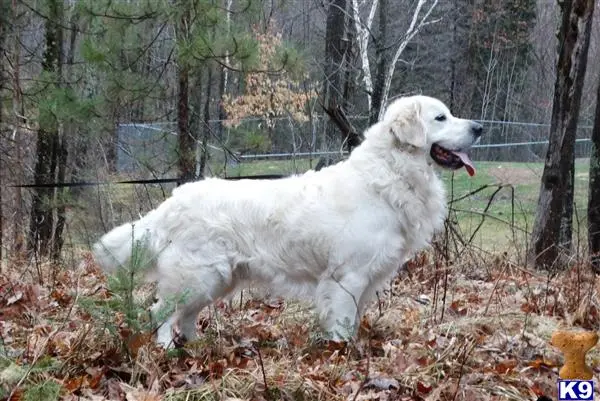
{"points": [[164, 332], [338, 301], [178, 328]]}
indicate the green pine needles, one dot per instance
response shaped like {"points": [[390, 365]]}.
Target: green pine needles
{"points": [[127, 312]]}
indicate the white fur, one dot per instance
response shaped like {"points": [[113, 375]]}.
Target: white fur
{"points": [[336, 235]]}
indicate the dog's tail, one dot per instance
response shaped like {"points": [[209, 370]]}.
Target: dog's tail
{"points": [[130, 243]]}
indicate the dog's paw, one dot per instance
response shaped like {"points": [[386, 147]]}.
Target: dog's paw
{"points": [[179, 339], [169, 336], [164, 339]]}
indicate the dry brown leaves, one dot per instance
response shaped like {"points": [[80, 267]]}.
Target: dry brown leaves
{"points": [[491, 343], [270, 92]]}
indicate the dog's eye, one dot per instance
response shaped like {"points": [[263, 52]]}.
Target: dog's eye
{"points": [[441, 117]]}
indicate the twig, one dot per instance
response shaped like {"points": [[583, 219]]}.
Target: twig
{"points": [[262, 367], [364, 382], [466, 353], [491, 217], [3, 345], [379, 308], [475, 191], [484, 214], [487, 306], [445, 292], [350, 135]]}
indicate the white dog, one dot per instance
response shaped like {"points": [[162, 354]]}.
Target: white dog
{"points": [[337, 234]]}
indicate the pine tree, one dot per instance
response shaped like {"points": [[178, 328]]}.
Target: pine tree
{"points": [[50, 148]]}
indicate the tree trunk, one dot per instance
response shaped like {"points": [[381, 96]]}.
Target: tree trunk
{"points": [[4, 12], [4, 25], [552, 228], [222, 116], [206, 126], [224, 76], [42, 218], [335, 37], [386, 65], [18, 237], [453, 57], [186, 143], [68, 135], [61, 200], [594, 192], [48, 149], [363, 32], [413, 29]]}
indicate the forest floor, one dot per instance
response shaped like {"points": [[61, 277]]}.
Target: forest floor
{"points": [[477, 329]]}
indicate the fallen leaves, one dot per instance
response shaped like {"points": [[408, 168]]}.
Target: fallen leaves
{"points": [[135, 340], [505, 366], [459, 308], [405, 353], [140, 394], [424, 388], [540, 364], [89, 380]]}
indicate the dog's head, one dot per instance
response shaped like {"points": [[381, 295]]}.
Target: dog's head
{"points": [[426, 123]]}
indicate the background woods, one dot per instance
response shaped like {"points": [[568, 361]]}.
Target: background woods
{"points": [[97, 90], [98, 95]]}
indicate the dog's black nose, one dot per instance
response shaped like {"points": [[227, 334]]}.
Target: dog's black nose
{"points": [[477, 129]]}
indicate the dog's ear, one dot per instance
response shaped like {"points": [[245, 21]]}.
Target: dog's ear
{"points": [[405, 122]]}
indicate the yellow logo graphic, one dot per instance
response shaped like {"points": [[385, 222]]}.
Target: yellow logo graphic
{"points": [[574, 345]]}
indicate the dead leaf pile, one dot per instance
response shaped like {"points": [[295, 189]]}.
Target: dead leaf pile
{"points": [[487, 339]]}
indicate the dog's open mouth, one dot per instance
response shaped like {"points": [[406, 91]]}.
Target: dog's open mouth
{"points": [[452, 159]]}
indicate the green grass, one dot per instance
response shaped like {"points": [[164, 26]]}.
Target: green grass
{"points": [[271, 167], [509, 216]]}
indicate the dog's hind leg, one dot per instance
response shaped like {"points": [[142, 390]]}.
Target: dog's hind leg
{"points": [[198, 289]]}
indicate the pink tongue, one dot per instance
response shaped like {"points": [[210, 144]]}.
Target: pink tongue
{"points": [[467, 162]]}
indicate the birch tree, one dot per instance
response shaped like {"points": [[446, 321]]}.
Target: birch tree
{"points": [[377, 88], [363, 34], [224, 71]]}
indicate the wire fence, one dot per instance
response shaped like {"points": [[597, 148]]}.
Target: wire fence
{"points": [[153, 146]]}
